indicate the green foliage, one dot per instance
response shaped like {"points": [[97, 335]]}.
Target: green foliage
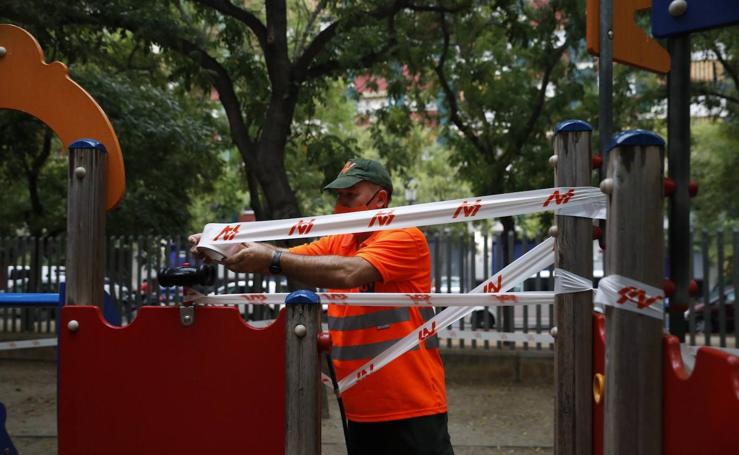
{"points": [[168, 136], [33, 175], [715, 153]]}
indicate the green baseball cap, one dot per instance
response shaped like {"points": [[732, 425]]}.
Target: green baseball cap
{"points": [[356, 170]]}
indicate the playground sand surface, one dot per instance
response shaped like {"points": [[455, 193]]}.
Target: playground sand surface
{"points": [[484, 419]]}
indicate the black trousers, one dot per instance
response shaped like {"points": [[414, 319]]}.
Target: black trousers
{"points": [[426, 435]]}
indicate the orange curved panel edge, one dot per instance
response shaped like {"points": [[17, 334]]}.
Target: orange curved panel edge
{"points": [[631, 45], [46, 92]]}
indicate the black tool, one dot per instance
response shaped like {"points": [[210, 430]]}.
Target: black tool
{"points": [[204, 275]]}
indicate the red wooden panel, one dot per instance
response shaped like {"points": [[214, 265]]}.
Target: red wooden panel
{"points": [[157, 387], [599, 367], [701, 411]]}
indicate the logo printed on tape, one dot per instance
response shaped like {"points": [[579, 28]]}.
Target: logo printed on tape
{"points": [[425, 333], [559, 199], [365, 371], [636, 296], [254, 297], [228, 232], [505, 298], [493, 287], [334, 297], [382, 218], [303, 227], [467, 209], [420, 299]]}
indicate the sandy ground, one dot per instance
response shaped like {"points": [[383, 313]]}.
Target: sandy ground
{"points": [[490, 419]]}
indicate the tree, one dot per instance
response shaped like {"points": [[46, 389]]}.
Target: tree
{"points": [[168, 137], [263, 62]]}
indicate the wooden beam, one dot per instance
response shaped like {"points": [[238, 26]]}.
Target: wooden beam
{"points": [[573, 312], [303, 374], [635, 249], [85, 271]]}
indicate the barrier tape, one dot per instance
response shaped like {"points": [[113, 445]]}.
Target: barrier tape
{"points": [[381, 299], [27, 344], [516, 272], [630, 295], [221, 240], [566, 282], [479, 335]]}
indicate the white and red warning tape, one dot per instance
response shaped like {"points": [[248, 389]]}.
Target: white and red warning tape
{"points": [[221, 240], [389, 299], [533, 261], [630, 295], [27, 344]]}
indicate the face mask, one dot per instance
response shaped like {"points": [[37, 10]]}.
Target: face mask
{"points": [[340, 208]]}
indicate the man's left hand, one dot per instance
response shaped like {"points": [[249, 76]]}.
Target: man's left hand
{"points": [[253, 257]]}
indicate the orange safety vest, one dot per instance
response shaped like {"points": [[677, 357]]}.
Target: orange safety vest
{"points": [[413, 384]]}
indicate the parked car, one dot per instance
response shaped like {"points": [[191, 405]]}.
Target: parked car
{"points": [[714, 304]]}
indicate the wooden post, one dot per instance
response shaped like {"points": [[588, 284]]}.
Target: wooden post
{"points": [[303, 370], [633, 383], [85, 270], [573, 312]]}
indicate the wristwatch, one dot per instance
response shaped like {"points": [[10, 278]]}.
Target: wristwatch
{"points": [[274, 266]]}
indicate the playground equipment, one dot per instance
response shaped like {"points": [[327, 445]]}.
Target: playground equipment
{"points": [[46, 92], [200, 371]]}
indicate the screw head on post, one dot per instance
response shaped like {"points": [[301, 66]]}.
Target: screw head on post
{"points": [[80, 172], [553, 332], [3, 51], [553, 231], [73, 326], [553, 161], [606, 186], [677, 7], [300, 330]]}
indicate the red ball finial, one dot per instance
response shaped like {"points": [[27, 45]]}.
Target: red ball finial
{"points": [[669, 187]]}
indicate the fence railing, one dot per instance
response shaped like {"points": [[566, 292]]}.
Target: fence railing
{"points": [[460, 261]]}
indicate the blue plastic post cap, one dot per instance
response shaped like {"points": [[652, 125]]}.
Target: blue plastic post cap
{"points": [[635, 138], [87, 144], [303, 297], [572, 126]]}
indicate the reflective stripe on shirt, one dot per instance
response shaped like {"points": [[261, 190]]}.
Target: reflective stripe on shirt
{"points": [[379, 319], [370, 350]]}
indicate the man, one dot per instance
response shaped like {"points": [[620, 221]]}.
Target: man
{"points": [[401, 409]]}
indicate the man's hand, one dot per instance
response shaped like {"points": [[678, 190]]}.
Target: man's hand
{"points": [[253, 257], [194, 240]]}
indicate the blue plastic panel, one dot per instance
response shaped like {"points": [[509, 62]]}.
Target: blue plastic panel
{"points": [[700, 15], [87, 144], [570, 126], [6, 445], [635, 138], [302, 297]]}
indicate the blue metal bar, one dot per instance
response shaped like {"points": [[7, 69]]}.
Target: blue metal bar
{"points": [[16, 299]]}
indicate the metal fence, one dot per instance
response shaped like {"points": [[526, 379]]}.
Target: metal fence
{"points": [[460, 261]]}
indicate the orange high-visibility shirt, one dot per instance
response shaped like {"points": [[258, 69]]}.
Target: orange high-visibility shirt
{"points": [[413, 384]]}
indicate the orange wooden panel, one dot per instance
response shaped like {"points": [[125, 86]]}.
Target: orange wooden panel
{"points": [[46, 92], [631, 45]]}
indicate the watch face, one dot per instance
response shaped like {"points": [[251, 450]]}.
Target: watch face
{"points": [[274, 267]]}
